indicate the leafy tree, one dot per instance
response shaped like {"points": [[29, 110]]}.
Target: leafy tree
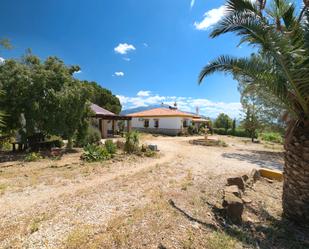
{"points": [[234, 126], [270, 111], [251, 123], [223, 121], [5, 43], [102, 97], [1, 113], [280, 66], [44, 94]]}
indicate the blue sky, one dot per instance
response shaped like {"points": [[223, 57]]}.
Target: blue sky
{"points": [[146, 52]]}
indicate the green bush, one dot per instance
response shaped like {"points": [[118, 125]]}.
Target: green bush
{"points": [[56, 141], [32, 157], [95, 153], [110, 146], [230, 132], [132, 142], [92, 136], [219, 131], [274, 137], [192, 130], [5, 145]]}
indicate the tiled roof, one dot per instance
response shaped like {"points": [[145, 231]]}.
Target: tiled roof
{"points": [[160, 112], [101, 111]]}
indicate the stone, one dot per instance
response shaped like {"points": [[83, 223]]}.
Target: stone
{"points": [[255, 175], [238, 181], [245, 177], [234, 208], [153, 147], [246, 200], [233, 189]]}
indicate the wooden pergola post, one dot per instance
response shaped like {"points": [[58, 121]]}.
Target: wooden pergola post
{"points": [[114, 126], [128, 125], [103, 128]]}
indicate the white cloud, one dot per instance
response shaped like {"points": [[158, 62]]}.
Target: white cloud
{"points": [[189, 104], [124, 48], [145, 45], [78, 72], [143, 93], [126, 58], [211, 17], [119, 74], [2, 60], [192, 3]]}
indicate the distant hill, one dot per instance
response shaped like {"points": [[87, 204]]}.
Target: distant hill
{"points": [[145, 108], [139, 109]]}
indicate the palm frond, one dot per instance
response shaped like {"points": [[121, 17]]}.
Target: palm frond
{"points": [[285, 48], [241, 5], [257, 73]]}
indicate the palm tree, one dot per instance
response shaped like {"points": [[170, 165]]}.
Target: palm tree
{"points": [[281, 67]]}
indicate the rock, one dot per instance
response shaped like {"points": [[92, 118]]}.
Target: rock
{"points": [[233, 189], [153, 147], [236, 181], [245, 178], [269, 180], [255, 175], [234, 208], [246, 200]]}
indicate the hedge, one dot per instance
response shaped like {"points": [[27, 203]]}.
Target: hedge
{"points": [[230, 132]]}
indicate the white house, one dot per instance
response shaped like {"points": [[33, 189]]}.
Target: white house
{"points": [[169, 121]]}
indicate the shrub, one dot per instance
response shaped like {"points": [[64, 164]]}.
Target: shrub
{"points": [[5, 145], [32, 157], [56, 141], [150, 153], [95, 153], [92, 136], [274, 137], [231, 132], [120, 144], [132, 142], [192, 130], [110, 146]]}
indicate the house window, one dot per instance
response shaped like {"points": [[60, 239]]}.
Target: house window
{"points": [[146, 123], [185, 123], [156, 123]]}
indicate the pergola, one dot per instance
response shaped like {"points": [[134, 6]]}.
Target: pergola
{"points": [[104, 116]]}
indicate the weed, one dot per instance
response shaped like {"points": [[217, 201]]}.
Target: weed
{"points": [[95, 153], [32, 157], [132, 142], [110, 147], [220, 240], [78, 237], [3, 187]]}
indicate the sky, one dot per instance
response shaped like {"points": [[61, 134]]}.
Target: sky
{"points": [[145, 52]]}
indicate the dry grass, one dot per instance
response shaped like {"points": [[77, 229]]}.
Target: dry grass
{"points": [[126, 203]]}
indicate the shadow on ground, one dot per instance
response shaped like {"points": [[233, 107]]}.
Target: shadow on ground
{"points": [[270, 233], [266, 159]]}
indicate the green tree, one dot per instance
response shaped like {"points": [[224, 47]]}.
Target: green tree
{"points": [[102, 97], [5, 43], [250, 123], [280, 66], [42, 96], [223, 121], [1, 114], [234, 126]]}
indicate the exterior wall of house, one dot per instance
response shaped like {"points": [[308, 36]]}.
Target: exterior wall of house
{"points": [[167, 125]]}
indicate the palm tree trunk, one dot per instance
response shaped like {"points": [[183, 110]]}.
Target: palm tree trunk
{"points": [[295, 198]]}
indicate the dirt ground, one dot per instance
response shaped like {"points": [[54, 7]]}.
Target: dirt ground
{"points": [[170, 201]]}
